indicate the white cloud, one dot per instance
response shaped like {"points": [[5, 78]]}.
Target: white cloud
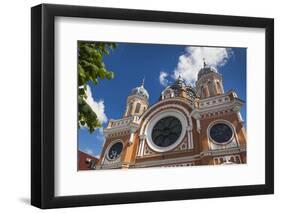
{"points": [[100, 135], [162, 78], [191, 62], [97, 106]]}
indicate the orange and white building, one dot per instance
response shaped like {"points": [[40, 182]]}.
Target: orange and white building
{"points": [[188, 126]]}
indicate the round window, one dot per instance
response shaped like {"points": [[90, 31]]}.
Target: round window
{"points": [[221, 133], [115, 151], [166, 131]]}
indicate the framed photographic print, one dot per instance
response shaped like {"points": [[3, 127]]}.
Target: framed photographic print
{"points": [[139, 106]]}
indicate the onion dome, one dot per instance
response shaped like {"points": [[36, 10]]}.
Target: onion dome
{"points": [[140, 91], [206, 70]]}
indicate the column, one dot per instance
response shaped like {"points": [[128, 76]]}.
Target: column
{"points": [[198, 125], [141, 145], [190, 139], [240, 119]]}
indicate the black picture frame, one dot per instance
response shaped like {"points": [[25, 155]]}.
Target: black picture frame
{"points": [[43, 102]]}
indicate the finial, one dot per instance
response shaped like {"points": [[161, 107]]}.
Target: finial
{"points": [[143, 81], [179, 78], [204, 62]]}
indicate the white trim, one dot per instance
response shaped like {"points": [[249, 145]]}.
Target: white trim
{"points": [[240, 117], [190, 141], [155, 119], [141, 145], [198, 125], [131, 140], [140, 148], [166, 107], [226, 105], [183, 100]]}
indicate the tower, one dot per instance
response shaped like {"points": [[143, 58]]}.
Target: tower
{"points": [[121, 134], [209, 82], [137, 101]]}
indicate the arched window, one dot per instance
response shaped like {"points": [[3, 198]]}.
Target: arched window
{"points": [[206, 92], [210, 88], [202, 92], [130, 108], [138, 108], [219, 87], [168, 94]]}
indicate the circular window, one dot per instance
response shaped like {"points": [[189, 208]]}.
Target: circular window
{"points": [[221, 133], [115, 151], [166, 131]]}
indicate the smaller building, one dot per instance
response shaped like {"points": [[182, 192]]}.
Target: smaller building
{"points": [[86, 161]]}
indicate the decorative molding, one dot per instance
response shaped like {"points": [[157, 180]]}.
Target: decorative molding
{"points": [[130, 97], [162, 108], [192, 158], [229, 159], [110, 166], [119, 133], [183, 145], [121, 127], [147, 150], [180, 164], [167, 102]]}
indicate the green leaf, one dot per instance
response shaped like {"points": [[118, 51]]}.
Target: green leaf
{"points": [[90, 68]]}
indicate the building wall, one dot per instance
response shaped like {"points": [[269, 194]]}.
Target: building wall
{"points": [[85, 161], [201, 142]]}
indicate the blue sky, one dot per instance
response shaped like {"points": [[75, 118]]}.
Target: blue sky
{"points": [[132, 62]]}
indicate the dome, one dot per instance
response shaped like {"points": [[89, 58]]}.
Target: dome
{"points": [[178, 84], [205, 70], [141, 91], [179, 89]]}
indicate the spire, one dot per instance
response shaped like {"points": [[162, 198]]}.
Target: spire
{"points": [[180, 82], [204, 62], [180, 78], [142, 84], [140, 90]]}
